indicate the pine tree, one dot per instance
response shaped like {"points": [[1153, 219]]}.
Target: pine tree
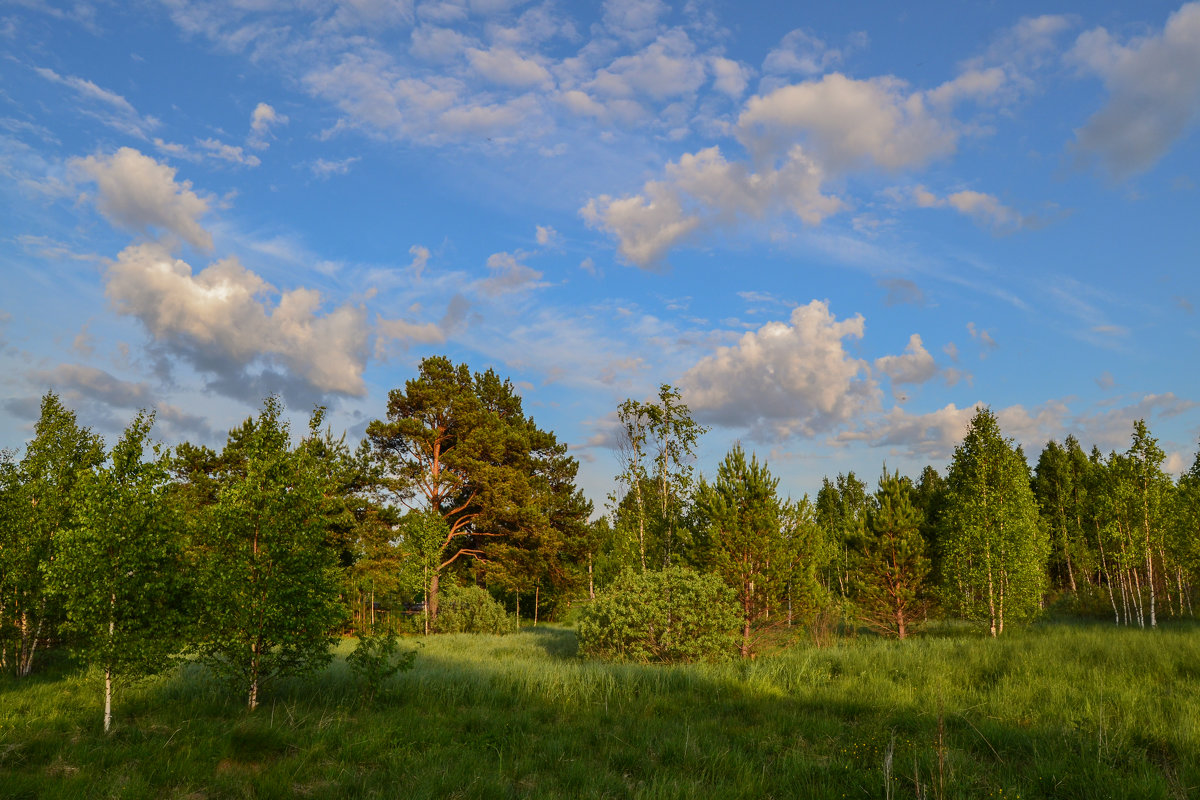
{"points": [[890, 566], [741, 517]]}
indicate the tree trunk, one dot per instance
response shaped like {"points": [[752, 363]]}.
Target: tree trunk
{"points": [[107, 698], [431, 604]]}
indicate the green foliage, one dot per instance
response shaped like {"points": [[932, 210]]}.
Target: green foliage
{"points": [[742, 537], [890, 567], [470, 609], [994, 549], [669, 616], [377, 658], [266, 573], [460, 446], [118, 571], [40, 500], [656, 449]]}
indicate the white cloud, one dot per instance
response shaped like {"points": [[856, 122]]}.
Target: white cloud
{"points": [[223, 321], [324, 169], [702, 190], [985, 209], [420, 255], [983, 337], [1154, 91], [109, 107], [407, 332], [848, 123], [729, 76], [668, 67], [786, 378], [262, 119], [633, 19], [228, 152], [137, 193], [508, 274], [914, 366], [508, 68], [547, 237], [800, 52]]}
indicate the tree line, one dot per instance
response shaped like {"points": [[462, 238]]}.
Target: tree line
{"points": [[253, 558]]}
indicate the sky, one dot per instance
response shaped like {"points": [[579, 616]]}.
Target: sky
{"points": [[837, 228]]}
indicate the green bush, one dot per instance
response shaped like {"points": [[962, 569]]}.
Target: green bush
{"points": [[376, 658], [469, 609], [668, 616]]}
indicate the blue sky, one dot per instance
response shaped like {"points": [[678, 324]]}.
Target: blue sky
{"points": [[836, 227]]}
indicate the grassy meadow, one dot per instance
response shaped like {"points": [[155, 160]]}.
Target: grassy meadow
{"points": [[1055, 710]]}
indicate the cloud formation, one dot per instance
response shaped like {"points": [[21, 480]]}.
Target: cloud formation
{"points": [[704, 190], [786, 378], [225, 321], [138, 194], [1153, 84]]}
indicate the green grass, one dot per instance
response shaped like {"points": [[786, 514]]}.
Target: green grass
{"points": [[1056, 710]]}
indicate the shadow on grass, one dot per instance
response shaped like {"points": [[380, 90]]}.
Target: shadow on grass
{"points": [[520, 716]]}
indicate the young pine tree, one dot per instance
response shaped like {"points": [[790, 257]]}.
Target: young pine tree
{"points": [[890, 563]]}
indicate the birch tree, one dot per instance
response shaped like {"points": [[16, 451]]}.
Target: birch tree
{"points": [[995, 552], [40, 502], [118, 570], [267, 575]]}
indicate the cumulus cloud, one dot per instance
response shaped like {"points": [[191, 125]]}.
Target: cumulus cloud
{"points": [[729, 76], [1153, 84], [547, 236], [703, 190], [226, 321], [914, 366], [139, 194], [786, 378], [668, 67], [848, 123], [508, 68]]}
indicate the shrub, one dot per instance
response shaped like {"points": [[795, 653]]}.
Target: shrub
{"points": [[376, 658], [668, 616], [469, 609]]}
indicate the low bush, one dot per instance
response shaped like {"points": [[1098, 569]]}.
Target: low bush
{"points": [[376, 658], [669, 616], [470, 609]]}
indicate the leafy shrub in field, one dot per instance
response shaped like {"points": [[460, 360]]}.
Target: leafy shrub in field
{"points": [[376, 658], [673, 615], [469, 609]]}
